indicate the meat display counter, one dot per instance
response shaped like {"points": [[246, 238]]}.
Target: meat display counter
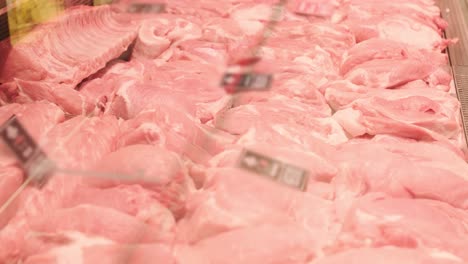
{"points": [[233, 131]]}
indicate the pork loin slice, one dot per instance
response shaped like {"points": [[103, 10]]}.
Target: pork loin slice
{"points": [[58, 53]]}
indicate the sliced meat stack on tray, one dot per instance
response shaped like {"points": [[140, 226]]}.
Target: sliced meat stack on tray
{"points": [[157, 162]]}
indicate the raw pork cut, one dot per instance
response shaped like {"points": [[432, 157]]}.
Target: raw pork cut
{"points": [[133, 200], [287, 243], [281, 116], [213, 210], [69, 100], [397, 21], [100, 221], [407, 223], [150, 166], [411, 113], [155, 36], [177, 131], [378, 49], [390, 255], [93, 251], [58, 52], [80, 142], [319, 169], [404, 169]]}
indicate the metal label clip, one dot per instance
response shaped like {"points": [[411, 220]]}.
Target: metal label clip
{"points": [[33, 159], [246, 82], [146, 8], [275, 170]]}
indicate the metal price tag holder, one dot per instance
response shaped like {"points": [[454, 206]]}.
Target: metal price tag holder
{"points": [[455, 12], [278, 171], [34, 161], [146, 8], [249, 80], [239, 82]]}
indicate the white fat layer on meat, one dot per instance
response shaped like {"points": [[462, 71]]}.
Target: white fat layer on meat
{"points": [[248, 137], [392, 218], [123, 90], [407, 31], [209, 51], [178, 127], [259, 11], [72, 253], [369, 217], [345, 119], [153, 211], [151, 128], [365, 216], [250, 27], [216, 160], [251, 108], [445, 255], [284, 132]]}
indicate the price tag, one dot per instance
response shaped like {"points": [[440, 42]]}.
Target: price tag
{"points": [[246, 82], [278, 171], [32, 158], [146, 8]]}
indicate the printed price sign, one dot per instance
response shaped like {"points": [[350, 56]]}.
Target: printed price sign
{"points": [[34, 161], [146, 8], [278, 171], [246, 82]]}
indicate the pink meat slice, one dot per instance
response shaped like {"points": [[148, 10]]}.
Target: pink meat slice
{"points": [[296, 87], [321, 8], [169, 84], [202, 51], [99, 221], [80, 142], [133, 200], [75, 144], [177, 131], [398, 27], [155, 36], [318, 168], [390, 255], [333, 38], [283, 118], [257, 200], [106, 254], [287, 243], [229, 31], [393, 72], [377, 49], [406, 223], [283, 134], [100, 87], [38, 117], [152, 167], [69, 100], [58, 53], [424, 11], [341, 93], [403, 169], [430, 109]]}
